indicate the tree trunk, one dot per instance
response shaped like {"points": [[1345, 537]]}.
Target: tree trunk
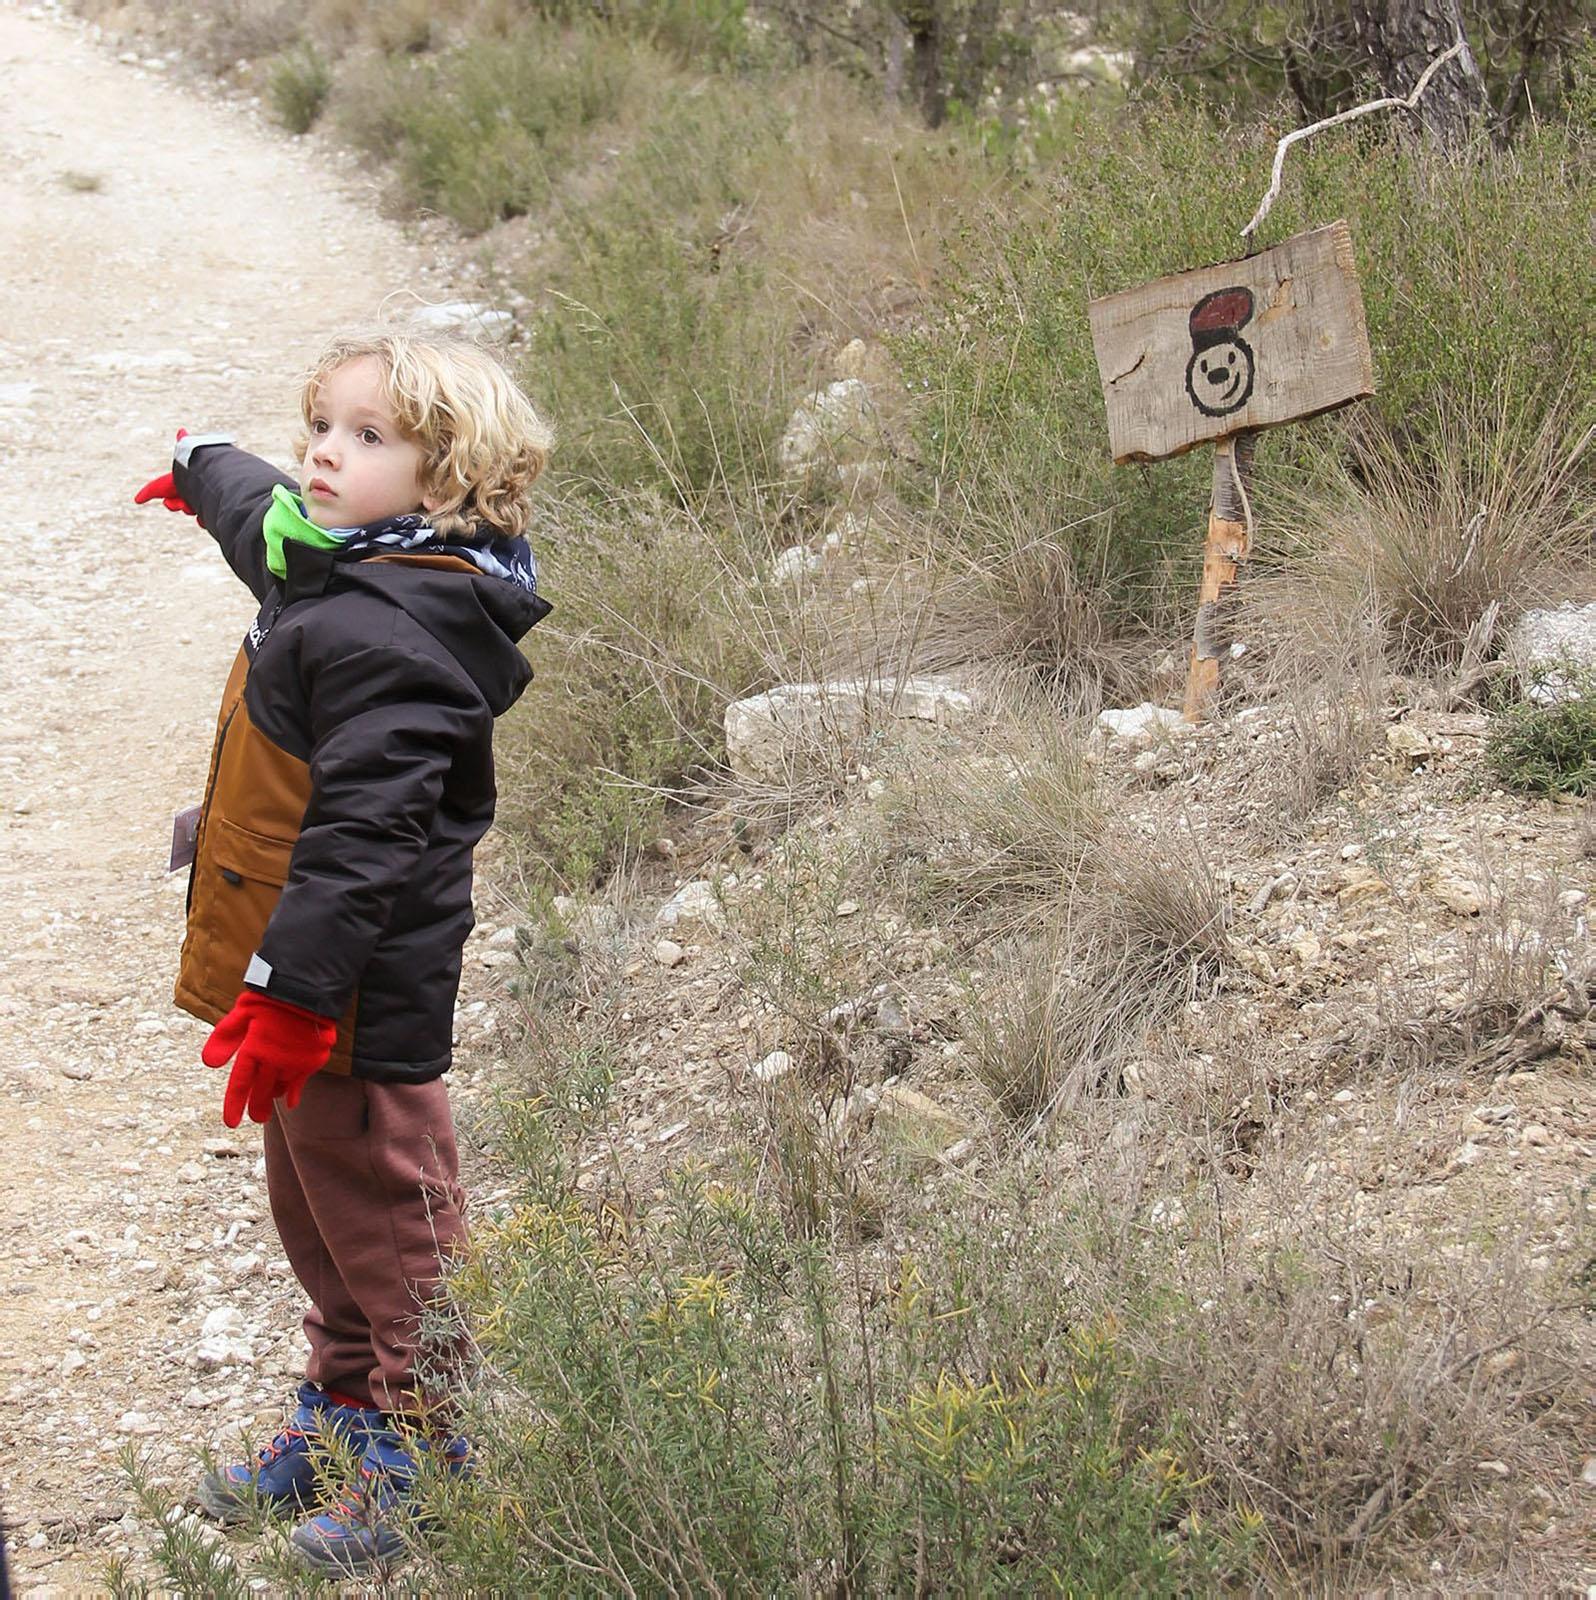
{"points": [[923, 19], [1401, 38]]}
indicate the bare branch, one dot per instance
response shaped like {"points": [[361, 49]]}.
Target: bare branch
{"points": [[1389, 103]]}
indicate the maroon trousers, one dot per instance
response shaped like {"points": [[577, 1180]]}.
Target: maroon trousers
{"points": [[364, 1189]]}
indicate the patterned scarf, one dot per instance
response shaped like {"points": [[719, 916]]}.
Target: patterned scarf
{"points": [[498, 557]]}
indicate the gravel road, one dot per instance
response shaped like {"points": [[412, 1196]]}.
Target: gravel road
{"points": [[149, 279]]}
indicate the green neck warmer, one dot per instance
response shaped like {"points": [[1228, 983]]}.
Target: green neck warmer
{"points": [[285, 520]]}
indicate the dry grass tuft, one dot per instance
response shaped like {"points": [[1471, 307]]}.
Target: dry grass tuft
{"points": [[1324, 675], [999, 834], [1428, 544], [1524, 985], [1142, 930], [1347, 1385]]}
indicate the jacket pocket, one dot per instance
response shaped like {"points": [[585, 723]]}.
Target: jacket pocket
{"points": [[240, 854], [246, 872]]}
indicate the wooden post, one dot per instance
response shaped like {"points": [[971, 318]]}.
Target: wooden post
{"points": [[1229, 544]]}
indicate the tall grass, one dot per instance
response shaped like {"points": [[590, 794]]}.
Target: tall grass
{"points": [[1469, 286], [654, 631]]}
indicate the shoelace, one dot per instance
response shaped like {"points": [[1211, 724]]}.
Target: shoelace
{"points": [[358, 1502], [280, 1445]]}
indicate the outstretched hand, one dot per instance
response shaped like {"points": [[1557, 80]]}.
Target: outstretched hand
{"points": [[279, 1048], [165, 490]]}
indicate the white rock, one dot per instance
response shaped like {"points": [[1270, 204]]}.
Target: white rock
{"points": [[1138, 723], [223, 1319], [778, 1064], [464, 317], [223, 1341], [1535, 1133], [504, 939], [694, 904], [1105, 66], [669, 954], [1546, 644], [770, 736], [138, 1423], [834, 425], [73, 1361], [196, 1399], [794, 564], [77, 1071]]}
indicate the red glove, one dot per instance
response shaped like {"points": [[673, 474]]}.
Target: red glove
{"points": [[164, 490], [279, 1047]]}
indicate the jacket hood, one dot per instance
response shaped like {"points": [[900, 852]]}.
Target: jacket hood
{"points": [[480, 620]]}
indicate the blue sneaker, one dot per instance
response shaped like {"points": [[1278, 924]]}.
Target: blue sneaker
{"points": [[283, 1476], [367, 1526]]}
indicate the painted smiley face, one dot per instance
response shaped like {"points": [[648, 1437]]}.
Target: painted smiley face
{"points": [[1219, 379], [1219, 375]]}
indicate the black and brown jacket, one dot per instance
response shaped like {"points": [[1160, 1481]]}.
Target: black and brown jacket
{"points": [[351, 779]]}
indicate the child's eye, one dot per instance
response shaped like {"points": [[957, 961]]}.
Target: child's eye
{"points": [[318, 425], [370, 436]]}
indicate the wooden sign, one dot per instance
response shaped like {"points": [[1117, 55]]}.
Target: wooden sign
{"points": [[1230, 349]]}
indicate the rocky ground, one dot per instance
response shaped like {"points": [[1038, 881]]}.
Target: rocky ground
{"points": [[150, 279]]}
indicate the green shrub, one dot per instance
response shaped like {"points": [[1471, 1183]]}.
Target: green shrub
{"points": [[737, 237], [708, 1402], [665, 355], [1548, 746], [298, 85], [480, 132]]}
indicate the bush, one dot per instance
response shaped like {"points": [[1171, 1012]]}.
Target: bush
{"points": [[710, 1403], [481, 132], [1548, 749], [665, 354], [298, 86], [1467, 511], [739, 235], [1141, 924]]}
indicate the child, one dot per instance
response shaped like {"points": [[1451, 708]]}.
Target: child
{"points": [[330, 891]]}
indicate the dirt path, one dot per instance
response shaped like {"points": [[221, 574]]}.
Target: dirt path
{"points": [[148, 280]]}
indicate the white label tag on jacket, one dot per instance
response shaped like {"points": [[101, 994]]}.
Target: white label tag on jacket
{"points": [[185, 837], [258, 974]]}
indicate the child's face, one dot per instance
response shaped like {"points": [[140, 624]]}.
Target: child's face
{"points": [[359, 467]]}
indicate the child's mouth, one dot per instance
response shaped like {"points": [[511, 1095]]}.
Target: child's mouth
{"points": [[321, 489]]}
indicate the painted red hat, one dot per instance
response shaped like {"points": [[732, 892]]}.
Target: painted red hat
{"points": [[1220, 316]]}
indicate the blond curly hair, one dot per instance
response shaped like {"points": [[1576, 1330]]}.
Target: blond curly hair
{"points": [[483, 445]]}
